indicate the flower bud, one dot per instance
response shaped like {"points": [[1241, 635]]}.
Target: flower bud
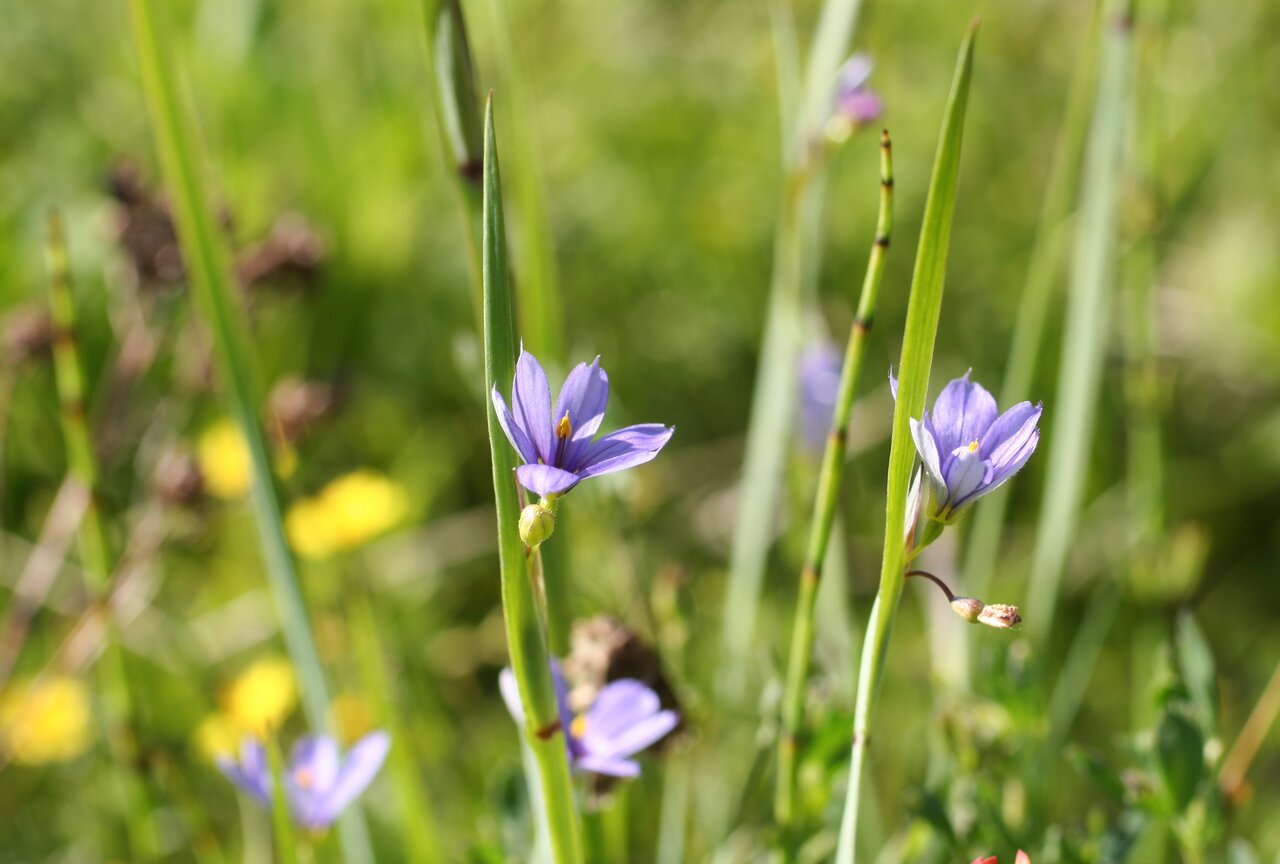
{"points": [[1000, 616], [537, 522], [968, 608]]}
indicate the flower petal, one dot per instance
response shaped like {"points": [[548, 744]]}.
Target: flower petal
{"points": [[636, 738], [583, 397], [610, 765], [1013, 462], [316, 756], [927, 447], [546, 479], [619, 705], [251, 773], [531, 404], [515, 432], [1010, 433], [510, 691], [357, 772], [855, 72], [965, 476], [624, 448], [963, 412]]}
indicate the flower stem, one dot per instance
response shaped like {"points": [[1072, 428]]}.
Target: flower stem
{"points": [[824, 510], [206, 259], [286, 841], [526, 635], [923, 310], [82, 464]]}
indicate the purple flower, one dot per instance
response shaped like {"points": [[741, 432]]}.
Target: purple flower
{"points": [[855, 101], [557, 446], [968, 450], [625, 718], [820, 367], [318, 782]]}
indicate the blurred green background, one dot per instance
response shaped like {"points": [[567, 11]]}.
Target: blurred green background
{"points": [[654, 134]]}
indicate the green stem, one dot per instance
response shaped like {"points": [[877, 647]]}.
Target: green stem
{"points": [[923, 311], [82, 464], [286, 841], [206, 259], [824, 510], [456, 110], [418, 827], [526, 637]]}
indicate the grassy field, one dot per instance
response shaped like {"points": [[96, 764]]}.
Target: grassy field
{"points": [[1117, 169]]}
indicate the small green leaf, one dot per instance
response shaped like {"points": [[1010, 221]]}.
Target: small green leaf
{"points": [[1179, 757], [1195, 659]]}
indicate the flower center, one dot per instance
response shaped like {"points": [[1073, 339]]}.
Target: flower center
{"points": [[304, 778], [578, 727], [564, 428]]}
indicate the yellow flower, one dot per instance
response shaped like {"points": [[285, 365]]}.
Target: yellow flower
{"points": [[351, 510], [217, 736], [262, 696], [224, 460], [45, 720]]}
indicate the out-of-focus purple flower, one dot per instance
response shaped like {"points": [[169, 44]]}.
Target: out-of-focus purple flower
{"points": [[625, 718], [968, 448], [855, 102], [820, 368], [559, 447], [318, 782]]}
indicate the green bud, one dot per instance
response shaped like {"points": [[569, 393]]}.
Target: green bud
{"points": [[537, 522]]}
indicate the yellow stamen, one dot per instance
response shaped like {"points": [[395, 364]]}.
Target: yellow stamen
{"points": [[578, 727], [973, 446], [564, 428]]}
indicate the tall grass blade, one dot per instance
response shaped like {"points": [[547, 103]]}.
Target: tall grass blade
{"points": [[1088, 313], [206, 259], [772, 401], [1043, 270], [526, 639], [923, 311]]}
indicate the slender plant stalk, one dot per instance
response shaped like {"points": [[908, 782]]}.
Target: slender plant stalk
{"points": [[456, 105], [1088, 311], [1043, 270], [207, 263], [923, 311], [798, 231], [526, 638], [82, 464], [824, 510], [417, 824], [286, 840], [1247, 744]]}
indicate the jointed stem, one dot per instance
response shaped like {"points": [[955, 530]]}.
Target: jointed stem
{"points": [[825, 508]]}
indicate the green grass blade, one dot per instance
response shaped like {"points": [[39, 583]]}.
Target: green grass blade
{"points": [[923, 311], [211, 282], [526, 640], [1043, 270], [824, 510], [772, 401], [1088, 311]]}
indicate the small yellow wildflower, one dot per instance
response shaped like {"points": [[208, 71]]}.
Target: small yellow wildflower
{"points": [[352, 717], [224, 460], [348, 512], [217, 736], [262, 696], [45, 720]]}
